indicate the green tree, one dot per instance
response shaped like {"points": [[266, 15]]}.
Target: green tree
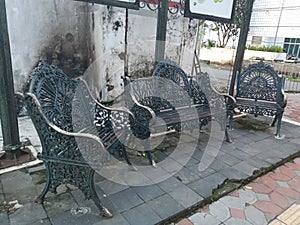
{"points": [[226, 31]]}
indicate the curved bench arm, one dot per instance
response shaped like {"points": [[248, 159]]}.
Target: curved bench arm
{"points": [[127, 82], [120, 109], [58, 129]]}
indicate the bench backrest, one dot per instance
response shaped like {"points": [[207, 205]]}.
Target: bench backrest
{"points": [[66, 103], [260, 82], [54, 92]]}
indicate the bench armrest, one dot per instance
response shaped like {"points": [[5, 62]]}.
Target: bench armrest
{"points": [[119, 109], [230, 101], [58, 129], [127, 83]]}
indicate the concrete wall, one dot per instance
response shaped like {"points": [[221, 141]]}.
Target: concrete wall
{"points": [[224, 55], [47, 29], [86, 39]]}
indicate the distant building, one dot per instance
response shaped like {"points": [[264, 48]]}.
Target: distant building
{"points": [[277, 23]]}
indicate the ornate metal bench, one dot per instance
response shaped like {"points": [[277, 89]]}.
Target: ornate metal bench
{"points": [[171, 100], [65, 114], [260, 92]]}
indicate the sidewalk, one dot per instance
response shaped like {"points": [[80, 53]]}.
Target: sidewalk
{"points": [[254, 150], [272, 199]]}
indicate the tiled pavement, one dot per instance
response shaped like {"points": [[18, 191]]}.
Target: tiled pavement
{"points": [[254, 147], [256, 203]]}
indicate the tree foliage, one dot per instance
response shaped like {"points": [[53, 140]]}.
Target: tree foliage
{"points": [[226, 31]]}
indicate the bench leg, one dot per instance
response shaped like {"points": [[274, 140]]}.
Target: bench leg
{"points": [[279, 118], [148, 153], [104, 212], [227, 138], [125, 155], [40, 199]]}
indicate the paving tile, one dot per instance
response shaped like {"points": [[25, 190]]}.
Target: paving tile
{"points": [[294, 184], [42, 222], [184, 221], [248, 196], [287, 171], [255, 216], [237, 213], [185, 196], [25, 191], [219, 210], [228, 159], [291, 215], [293, 166], [260, 188], [282, 184], [110, 187], [279, 200], [218, 164], [170, 184], [236, 221], [279, 177], [203, 218], [239, 154], [148, 192], [277, 222], [117, 219], [126, 199], [142, 214], [258, 163], [233, 202], [215, 179], [245, 168], [233, 173], [263, 197], [201, 187], [267, 206], [4, 218], [187, 176], [268, 181], [28, 214], [288, 192], [165, 206], [270, 216], [59, 203], [67, 217]]}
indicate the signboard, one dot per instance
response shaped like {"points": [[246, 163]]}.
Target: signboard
{"points": [[130, 4], [214, 10]]}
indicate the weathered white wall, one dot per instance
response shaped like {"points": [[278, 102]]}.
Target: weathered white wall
{"points": [[226, 55], [42, 29], [36, 26]]}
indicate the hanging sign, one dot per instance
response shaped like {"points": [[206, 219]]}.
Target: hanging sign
{"points": [[214, 10], [130, 4]]}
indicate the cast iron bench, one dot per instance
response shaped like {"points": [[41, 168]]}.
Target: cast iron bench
{"points": [[172, 100], [260, 92], [75, 130]]}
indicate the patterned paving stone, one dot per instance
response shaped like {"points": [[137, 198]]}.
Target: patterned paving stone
{"points": [[279, 177], [248, 196], [233, 202], [267, 206], [255, 216], [237, 213], [293, 166], [268, 181], [262, 197], [219, 210], [260, 188], [287, 171], [203, 218], [295, 184], [282, 184], [184, 222], [236, 221], [288, 192], [279, 200]]}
